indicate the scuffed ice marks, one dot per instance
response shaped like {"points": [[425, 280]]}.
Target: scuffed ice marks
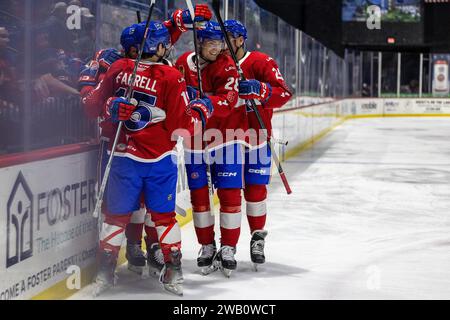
{"points": [[411, 175]]}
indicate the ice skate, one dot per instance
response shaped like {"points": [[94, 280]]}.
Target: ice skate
{"points": [[106, 277], [206, 258], [136, 257], [155, 260], [225, 260], [257, 248], [171, 275]]}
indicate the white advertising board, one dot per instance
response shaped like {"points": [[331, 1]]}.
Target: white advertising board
{"points": [[46, 222]]}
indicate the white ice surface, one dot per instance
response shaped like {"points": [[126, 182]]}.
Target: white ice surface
{"points": [[369, 219]]}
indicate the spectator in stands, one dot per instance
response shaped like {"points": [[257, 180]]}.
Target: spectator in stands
{"points": [[85, 37], [50, 69], [60, 35], [13, 8], [7, 72]]}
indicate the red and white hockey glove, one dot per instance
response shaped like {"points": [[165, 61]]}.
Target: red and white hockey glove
{"points": [[119, 109], [203, 108], [253, 89], [183, 20]]}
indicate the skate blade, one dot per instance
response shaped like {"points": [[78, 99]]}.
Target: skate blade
{"points": [[255, 266], [209, 269], [176, 289], [136, 269], [226, 272], [99, 289]]}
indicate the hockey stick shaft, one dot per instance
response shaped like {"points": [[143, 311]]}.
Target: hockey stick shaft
{"points": [[98, 204], [138, 16], [200, 88], [216, 8]]}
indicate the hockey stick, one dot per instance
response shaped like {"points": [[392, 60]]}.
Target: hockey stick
{"points": [[216, 9], [279, 141], [200, 88], [99, 201], [138, 15]]}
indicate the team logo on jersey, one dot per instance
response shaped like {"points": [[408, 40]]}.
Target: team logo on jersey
{"points": [[232, 96], [170, 197], [194, 175]]}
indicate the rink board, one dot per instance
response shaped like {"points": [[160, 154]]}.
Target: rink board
{"points": [[46, 224]]}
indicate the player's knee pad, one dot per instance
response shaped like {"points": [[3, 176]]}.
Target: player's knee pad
{"points": [[255, 192], [113, 231], [200, 199], [169, 233], [167, 227], [230, 200], [117, 220]]}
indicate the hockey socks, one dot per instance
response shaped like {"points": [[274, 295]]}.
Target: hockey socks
{"points": [[203, 220], [230, 216], [255, 196]]}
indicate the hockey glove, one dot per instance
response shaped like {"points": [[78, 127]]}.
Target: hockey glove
{"points": [[253, 89], [119, 109], [89, 75], [183, 20], [103, 59], [107, 57], [204, 109], [192, 93]]}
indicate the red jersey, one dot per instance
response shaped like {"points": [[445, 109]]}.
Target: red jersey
{"points": [[261, 67], [107, 128], [220, 84], [160, 91]]}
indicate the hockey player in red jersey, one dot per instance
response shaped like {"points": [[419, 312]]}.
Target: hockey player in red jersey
{"points": [[89, 78], [267, 87], [179, 22], [145, 158], [219, 82]]}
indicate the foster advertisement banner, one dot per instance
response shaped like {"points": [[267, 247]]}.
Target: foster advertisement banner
{"points": [[46, 222]]}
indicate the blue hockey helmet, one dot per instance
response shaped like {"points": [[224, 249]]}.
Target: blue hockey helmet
{"points": [[209, 30], [158, 33], [236, 28], [128, 38]]}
